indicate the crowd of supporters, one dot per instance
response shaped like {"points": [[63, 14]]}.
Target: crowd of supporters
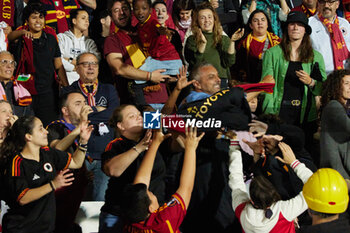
{"points": [[78, 78]]}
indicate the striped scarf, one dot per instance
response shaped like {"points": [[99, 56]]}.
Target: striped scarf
{"points": [[273, 40], [340, 51], [89, 94]]}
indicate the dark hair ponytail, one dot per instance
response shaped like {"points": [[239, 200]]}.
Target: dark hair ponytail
{"points": [[263, 194], [15, 139]]}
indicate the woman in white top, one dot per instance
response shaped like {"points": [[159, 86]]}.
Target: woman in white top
{"points": [[74, 42]]}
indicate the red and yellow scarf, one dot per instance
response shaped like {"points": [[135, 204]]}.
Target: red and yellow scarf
{"points": [[89, 95], [340, 51], [307, 11], [273, 40]]}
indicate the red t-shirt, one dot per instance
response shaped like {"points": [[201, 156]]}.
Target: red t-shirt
{"points": [[127, 45], [167, 218], [158, 46]]}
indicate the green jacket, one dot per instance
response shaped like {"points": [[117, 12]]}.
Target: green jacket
{"points": [[217, 56], [275, 64]]}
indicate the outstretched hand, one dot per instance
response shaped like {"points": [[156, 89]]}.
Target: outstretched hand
{"points": [[146, 141], [258, 128], [257, 146], [182, 81], [159, 137], [158, 76], [192, 139], [287, 152]]}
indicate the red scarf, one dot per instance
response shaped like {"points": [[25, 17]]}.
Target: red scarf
{"points": [[340, 51], [89, 95], [26, 64], [7, 11]]}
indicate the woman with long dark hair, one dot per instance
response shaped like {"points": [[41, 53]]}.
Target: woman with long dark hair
{"points": [[259, 37], [31, 172], [208, 44], [335, 123], [298, 72]]}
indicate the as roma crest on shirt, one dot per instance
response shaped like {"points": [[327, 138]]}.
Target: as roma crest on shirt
{"points": [[48, 167]]}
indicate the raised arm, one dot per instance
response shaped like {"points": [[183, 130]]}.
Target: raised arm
{"points": [[189, 165], [79, 154], [144, 172], [68, 140], [182, 82], [236, 182], [294, 207]]}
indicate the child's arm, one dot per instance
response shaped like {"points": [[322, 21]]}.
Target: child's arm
{"points": [[189, 165], [144, 172]]}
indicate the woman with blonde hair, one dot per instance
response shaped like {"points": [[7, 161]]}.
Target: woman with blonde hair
{"points": [[209, 44]]}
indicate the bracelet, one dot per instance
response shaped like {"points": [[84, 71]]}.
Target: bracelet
{"points": [[134, 148], [52, 186], [83, 149], [150, 76], [312, 83], [147, 78], [83, 145]]}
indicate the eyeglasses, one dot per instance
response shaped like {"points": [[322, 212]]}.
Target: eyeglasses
{"points": [[323, 2], [8, 62], [86, 64]]}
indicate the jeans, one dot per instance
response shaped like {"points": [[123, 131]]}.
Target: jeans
{"points": [[100, 180], [171, 66], [109, 223]]}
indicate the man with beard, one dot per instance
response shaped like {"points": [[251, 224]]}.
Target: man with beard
{"points": [[64, 135], [330, 35], [124, 55]]}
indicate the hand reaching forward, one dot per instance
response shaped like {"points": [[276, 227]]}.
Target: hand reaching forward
{"points": [[182, 81], [192, 140], [288, 154]]}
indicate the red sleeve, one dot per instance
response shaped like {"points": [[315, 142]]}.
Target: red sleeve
{"points": [[176, 212], [112, 45]]}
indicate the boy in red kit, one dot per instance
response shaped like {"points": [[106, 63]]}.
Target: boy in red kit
{"points": [[141, 207], [154, 40]]}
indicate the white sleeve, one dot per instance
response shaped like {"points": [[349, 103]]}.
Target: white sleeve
{"points": [[294, 207], [61, 43], [92, 48], [245, 15], [282, 16], [236, 182]]}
